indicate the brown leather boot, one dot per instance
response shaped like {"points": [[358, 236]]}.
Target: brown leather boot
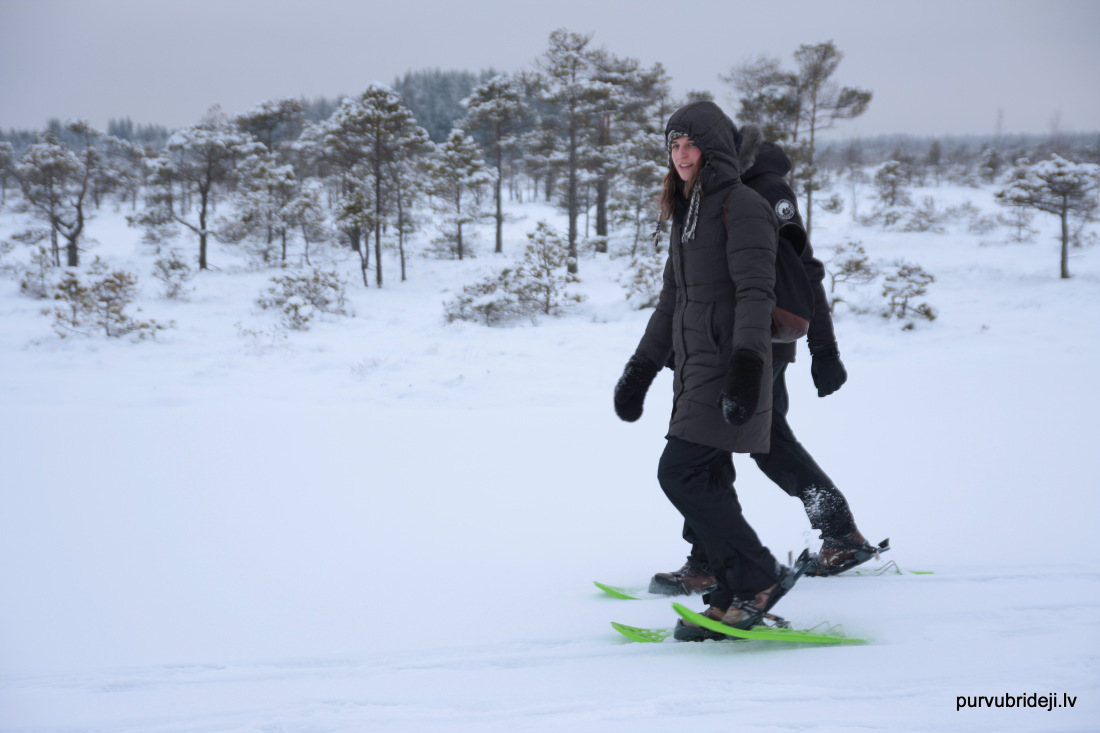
{"points": [[746, 614], [683, 582], [842, 553], [687, 631]]}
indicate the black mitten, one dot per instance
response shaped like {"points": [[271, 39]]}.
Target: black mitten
{"points": [[741, 392], [632, 386], [826, 368]]}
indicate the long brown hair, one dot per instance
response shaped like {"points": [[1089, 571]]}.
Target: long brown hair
{"points": [[672, 187]]}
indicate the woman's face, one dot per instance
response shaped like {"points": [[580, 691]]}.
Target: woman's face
{"points": [[686, 157]]}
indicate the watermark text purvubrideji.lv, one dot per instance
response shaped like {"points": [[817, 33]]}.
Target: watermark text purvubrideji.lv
{"points": [[1034, 700]]}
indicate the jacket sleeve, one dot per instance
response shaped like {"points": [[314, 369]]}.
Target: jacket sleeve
{"points": [[656, 343], [750, 252]]}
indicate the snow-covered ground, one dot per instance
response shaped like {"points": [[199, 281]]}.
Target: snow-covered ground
{"points": [[391, 523]]}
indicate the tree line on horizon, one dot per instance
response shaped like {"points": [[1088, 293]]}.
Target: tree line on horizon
{"points": [[581, 130]]}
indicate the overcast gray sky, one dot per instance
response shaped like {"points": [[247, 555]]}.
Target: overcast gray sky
{"points": [[937, 67]]}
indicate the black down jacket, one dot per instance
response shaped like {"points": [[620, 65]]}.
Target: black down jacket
{"points": [[717, 296]]}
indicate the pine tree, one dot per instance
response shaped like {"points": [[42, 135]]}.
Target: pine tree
{"points": [[275, 124], [199, 161], [906, 283], [848, 265], [7, 166], [891, 183], [543, 278], [58, 182], [364, 140], [46, 174], [794, 107], [495, 111], [573, 92], [261, 199], [1055, 186], [457, 170]]}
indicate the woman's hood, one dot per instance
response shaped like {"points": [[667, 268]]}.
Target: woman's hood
{"points": [[713, 132]]}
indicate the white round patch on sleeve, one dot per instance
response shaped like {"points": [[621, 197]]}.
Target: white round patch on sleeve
{"points": [[784, 209]]}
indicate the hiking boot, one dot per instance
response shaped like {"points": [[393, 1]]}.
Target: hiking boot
{"points": [[744, 614], [683, 582], [687, 631], [838, 554]]}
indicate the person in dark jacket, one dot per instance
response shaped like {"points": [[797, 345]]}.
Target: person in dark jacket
{"points": [[787, 463], [714, 317]]}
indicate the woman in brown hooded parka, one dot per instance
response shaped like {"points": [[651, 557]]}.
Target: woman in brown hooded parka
{"points": [[714, 315]]}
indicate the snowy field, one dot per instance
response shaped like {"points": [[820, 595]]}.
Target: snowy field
{"points": [[391, 523]]}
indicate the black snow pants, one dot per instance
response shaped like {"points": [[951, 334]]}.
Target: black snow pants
{"points": [[698, 480], [790, 467]]}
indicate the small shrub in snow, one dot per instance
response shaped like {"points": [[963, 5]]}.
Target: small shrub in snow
{"points": [[300, 296], [976, 221], [174, 272], [832, 205], [538, 285], [851, 266], [1019, 219], [902, 286], [259, 340], [489, 301], [37, 280], [925, 218], [98, 303], [543, 278]]}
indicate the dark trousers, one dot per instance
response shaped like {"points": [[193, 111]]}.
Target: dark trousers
{"points": [[698, 480], [793, 469]]}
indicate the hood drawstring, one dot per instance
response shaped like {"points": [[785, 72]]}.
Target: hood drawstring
{"points": [[692, 214]]}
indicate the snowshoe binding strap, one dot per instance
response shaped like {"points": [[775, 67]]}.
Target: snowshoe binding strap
{"points": [[863, 551]]}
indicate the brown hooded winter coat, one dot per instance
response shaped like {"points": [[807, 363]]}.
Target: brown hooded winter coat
{"points": [[718, 292]]}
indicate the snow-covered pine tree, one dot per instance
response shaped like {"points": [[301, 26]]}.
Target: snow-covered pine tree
{"points": [[457, 169], [623, 120], [275, 124], [849, 265], [174, 272], [7, 167], [636, 186], [304, 214], [55, 182], [891, 182], [572, 96], [495, 110], [1055, 186], [98, 300], [644, 279], [907, 282], [363, 141], [543, 278], [404, 186], [199, 161]]}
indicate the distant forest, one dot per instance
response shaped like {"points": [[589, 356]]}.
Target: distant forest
{"points": [[441, 150], [435, 98]]}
